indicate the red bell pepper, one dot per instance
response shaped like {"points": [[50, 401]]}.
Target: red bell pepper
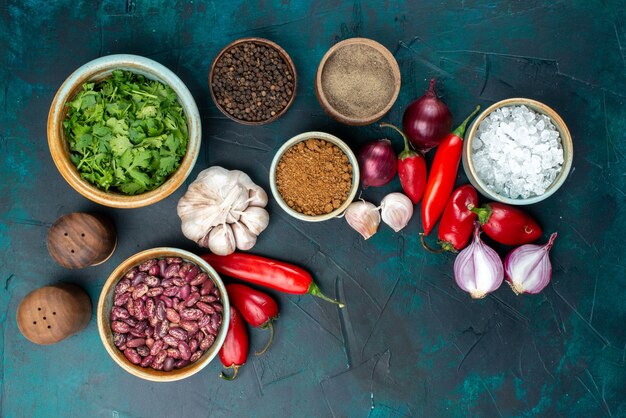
{"points": [[507, 224]]}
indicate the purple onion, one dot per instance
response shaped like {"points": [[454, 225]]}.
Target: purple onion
{"points": [[378, 163], [528, 268], [478, 269]]}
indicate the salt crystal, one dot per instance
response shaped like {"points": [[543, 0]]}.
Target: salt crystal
{"points": [[517, 152]]}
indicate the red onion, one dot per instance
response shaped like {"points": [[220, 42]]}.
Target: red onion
{"points": [[378, 163], [478, 269], [427, 120], [528, 268]]}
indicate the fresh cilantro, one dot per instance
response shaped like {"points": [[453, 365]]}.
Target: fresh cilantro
{"points": [[126, 133]]}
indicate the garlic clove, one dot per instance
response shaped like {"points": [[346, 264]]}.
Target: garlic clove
{"points": [[222, 240], [257, 197], [397, 210], [363, 217], [244, 239], [255, 219]]}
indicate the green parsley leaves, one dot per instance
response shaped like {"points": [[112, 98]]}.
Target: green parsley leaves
{"points": [[126, 133]]}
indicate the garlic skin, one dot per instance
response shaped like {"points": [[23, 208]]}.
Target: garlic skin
{"points": [[397, 210], [216, 201], [222, 240], [363, 217]]}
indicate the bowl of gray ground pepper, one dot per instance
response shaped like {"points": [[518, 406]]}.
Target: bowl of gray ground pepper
{"points": [[253, 81]]}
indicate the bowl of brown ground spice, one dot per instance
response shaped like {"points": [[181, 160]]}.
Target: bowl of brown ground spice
{"points": [[314, 176], [357, 81]]}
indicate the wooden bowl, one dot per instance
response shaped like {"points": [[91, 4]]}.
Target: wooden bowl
{"points": [[322, 95], [566, 143], [269, 44], [99, 69], [105, 304]]}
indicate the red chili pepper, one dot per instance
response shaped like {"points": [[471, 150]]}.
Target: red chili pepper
{"points": [[443, 175], [411, 169], [257, 308], [457, 222], [507, 224], [266, 272], [234, 351]]}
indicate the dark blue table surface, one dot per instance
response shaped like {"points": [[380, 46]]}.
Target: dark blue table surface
{"points": [[409, 343]]}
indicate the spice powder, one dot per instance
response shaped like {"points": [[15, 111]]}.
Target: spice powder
{"points": [[314, 177]]}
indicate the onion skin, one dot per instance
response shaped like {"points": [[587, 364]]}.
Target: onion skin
{"points": [[478, 269], [427, 120], [378, 163], [528, 268]]}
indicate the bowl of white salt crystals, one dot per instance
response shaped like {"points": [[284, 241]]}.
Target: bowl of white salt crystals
{"points": [[518, 151]]}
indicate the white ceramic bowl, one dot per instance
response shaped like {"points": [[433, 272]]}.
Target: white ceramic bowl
{"points": [[333, 140], [566, 142]]}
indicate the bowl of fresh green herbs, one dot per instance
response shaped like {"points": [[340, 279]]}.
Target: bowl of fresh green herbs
{"points": [[124, 131]]}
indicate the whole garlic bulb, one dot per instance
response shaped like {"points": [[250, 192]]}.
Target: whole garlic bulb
{"points": [[223, 210], [397, 210]]}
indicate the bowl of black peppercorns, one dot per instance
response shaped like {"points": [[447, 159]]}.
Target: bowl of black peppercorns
{"points": [[253, 81]]}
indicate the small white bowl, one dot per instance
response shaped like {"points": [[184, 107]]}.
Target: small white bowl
{"points": [[566, 142], [333, 140]]}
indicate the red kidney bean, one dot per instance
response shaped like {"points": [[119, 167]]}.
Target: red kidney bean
{"points": [[173, 260], [167, 282], [120, 327], [131, 321], [119, 339], [143, 351], [168, 364], [132, 356], [162, 266], [155, 291], [207, 287], [122, 286], [138, 279], [193, 345], [192, 273], [215, 292], [150, 331], [136, 342], [162, 328], [147, 361], [168, 301], [157, 366], [181, 363], [178, 281], [141, 312], [190, 326], [172, 315], [121, 300], [160, 310], [208, 330], [145, 266], [206, 308], [195, 289], [160, 357], [158, 346], [151, 308], [171, 271], [173, 352], [192, 299], [195, 356], [207, 342], [171, 341], [184, 291], [154, 270], [184, 269], [131, 273], [204, 321], [152, 280], [178, 333], [208, 299], [139, 330], [122, 347], [183, 347], [216, 320], [119, 313], [140, 290], [149, 342], [199, 279], [199, 336], [191, 314], [217, 307], [170, 291]]}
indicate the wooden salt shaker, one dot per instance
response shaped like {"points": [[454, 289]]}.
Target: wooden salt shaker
{"points": [[52, 313], [80, 239]]}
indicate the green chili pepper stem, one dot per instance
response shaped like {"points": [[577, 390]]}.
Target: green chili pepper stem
{"points": [[315, 291], [428, 248], [269, 324], [407, 152], [483, 213], [460, 131], [235, 373]]}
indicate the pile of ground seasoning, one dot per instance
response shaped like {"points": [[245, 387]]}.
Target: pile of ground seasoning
{"points": [[358, 81], [314, 177], [252, 82]]}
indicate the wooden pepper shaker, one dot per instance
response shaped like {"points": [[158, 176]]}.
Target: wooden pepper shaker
{"points": [[81, 239], [52, 313]]}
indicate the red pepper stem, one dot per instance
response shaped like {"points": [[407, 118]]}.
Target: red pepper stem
{"points": [[427, 248], [269, 324], [315, 291], [460, 131], [235, 367], [483, 213], [407, 152]]}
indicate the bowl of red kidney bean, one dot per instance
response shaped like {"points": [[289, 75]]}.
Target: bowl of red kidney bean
{"points": [[163, 314]]}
